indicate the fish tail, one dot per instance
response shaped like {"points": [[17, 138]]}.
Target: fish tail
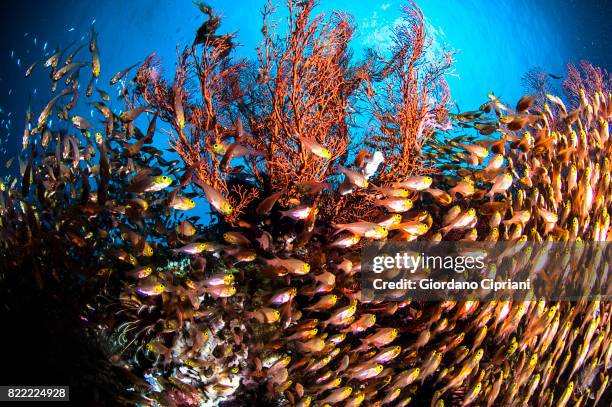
{"points": [[339, 228], [363, 347], [286, 309]]}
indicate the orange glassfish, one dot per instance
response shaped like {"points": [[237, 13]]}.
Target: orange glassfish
{"points": [[440, 196], [324, 303], [220, 291], [150, 288], [461, 222], [495, 163], [293, 266], [520, 217], [266, 205], [337, 396], [303, 335], [387, 354], [140, 272], [396, 204], [236, 238], [121, 74], [342, 314], [312, 345], [314, 147], [182, 203], [346, 242], [283, 296], [392, 192], [355, 178], [525, 103], [414, 227], [215, 199], [464, 187], [185, 228], [298, 213], [380, 338], [364, 322], [416, 183], [390, 221], [367, 373], [501, 183], [476, 150], [364, 229], [218, 279], [193, 248], [326, 278], [265, 315]]}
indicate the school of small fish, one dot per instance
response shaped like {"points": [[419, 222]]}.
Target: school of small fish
{"points": [[270, 310]]}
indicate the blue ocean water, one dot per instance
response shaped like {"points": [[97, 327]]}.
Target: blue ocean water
{"points": [[495, 42]]}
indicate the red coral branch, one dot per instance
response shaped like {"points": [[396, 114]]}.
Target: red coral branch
{"points": [[303, 88], [585, 78], [410, 102]]}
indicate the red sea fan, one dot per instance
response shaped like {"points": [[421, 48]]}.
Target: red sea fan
{"points": [[303, 86], [409, 97], [587, 78]]}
